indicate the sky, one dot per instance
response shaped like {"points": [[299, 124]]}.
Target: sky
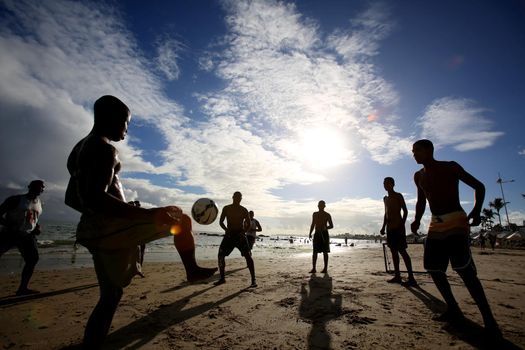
{"points": [[289, 102]]}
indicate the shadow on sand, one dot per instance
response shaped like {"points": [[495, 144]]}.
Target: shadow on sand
{"points": [[318, 307], [13, 299], [468, 331]]}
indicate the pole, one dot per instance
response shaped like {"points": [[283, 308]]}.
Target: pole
{"points": [[501, 182]]}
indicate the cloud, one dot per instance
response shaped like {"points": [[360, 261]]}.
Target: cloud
{"points": [[457, 122], [168, 54], [522, 152], [282, 76]]}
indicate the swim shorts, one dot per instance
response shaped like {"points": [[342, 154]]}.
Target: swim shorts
{"points": [[232, 240], [321, 242]]}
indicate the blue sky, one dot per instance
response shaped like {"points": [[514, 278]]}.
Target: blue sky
{"points": [[287, 102]]}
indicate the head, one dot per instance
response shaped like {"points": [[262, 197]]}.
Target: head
{"points": [[237, 197], [251, 214], [321, 205], [423, 151], [112, 117], [389, 183], [36, 187]]}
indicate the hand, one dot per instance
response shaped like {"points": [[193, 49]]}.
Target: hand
{"points": [[414, 226], [476, 219], [36, 231], [310, 236], [382, 231]]}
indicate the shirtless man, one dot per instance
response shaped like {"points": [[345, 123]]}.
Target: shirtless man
{"points": [[19, 215], [448, 233], [395, 231], [322, 222], [110, 228], [238, 222], [255, 227]]}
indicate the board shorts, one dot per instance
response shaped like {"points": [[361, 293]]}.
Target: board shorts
{"points": [[321, 242], [232, 240], [396, 239], [448, 241], [251, 241]]}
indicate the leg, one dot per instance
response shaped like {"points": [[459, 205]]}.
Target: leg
{"points": [[222, 268], [185, 245], [251, 267], [395, 260], [100, 320], [453, 312], [408, 264], [314, 262], [475, 289], [28, 248], [325, 257]]}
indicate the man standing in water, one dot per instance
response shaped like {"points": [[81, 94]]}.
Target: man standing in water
{"points": [[238, 222], [321, 222], [21, 226], [448, 233], [110, 228], [395, 231]]}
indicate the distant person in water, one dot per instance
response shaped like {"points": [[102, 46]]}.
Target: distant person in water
{"points": [[237, 223], [111, 229], [19, 215], [448, 233], [394, 223], [255, 227], [321, 222]]}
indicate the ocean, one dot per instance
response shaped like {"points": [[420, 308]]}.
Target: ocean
{"points": [[57, 248]]}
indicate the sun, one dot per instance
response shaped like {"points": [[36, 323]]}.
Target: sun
{"points": [[322, 148]]}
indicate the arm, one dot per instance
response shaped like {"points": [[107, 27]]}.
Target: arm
{"points": [[330, 223], [479, 194], [382, 231], [312, 226], [258, 227], [247, 222], [9, 204], [221, 220], [420, 205], [403, 208]]}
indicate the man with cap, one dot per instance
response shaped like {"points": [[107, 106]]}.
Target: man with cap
{"points": [[19, 217]]}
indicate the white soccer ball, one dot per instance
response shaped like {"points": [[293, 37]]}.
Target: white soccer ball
{"points": [[204, 211]]}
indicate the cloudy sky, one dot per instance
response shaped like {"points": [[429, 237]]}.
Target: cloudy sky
{"points": [[287, 102]]}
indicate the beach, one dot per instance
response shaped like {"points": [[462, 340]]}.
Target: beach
{"points": [[351, 307]]}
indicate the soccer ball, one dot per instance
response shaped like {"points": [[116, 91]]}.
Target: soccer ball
{"points": [[204, 211]]}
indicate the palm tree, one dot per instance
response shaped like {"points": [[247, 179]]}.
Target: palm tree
{"points": [[497, 204], [488, 214]]}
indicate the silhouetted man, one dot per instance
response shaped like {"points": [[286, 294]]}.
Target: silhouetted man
{"points": [[255, 226], [448, 233], [237, 223], [321, 222], [109, 227], [395, 231], [19, 215]]}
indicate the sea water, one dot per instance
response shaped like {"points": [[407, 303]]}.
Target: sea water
{"points": [[57, 248]]}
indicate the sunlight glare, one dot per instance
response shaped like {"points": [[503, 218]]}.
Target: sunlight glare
{"points": [[323, 147]]}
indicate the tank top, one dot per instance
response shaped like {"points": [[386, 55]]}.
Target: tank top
{"points": [[23, 218]]}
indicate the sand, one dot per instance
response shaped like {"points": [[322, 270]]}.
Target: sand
{"points": [[351, 307]]}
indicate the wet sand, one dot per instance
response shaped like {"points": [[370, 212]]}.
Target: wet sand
{"points": [[351, 307]]}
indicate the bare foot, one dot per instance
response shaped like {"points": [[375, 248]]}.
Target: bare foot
{"points": [[324, 271], [254, 284], [313, 271], [219, 282], [201, 273]]}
